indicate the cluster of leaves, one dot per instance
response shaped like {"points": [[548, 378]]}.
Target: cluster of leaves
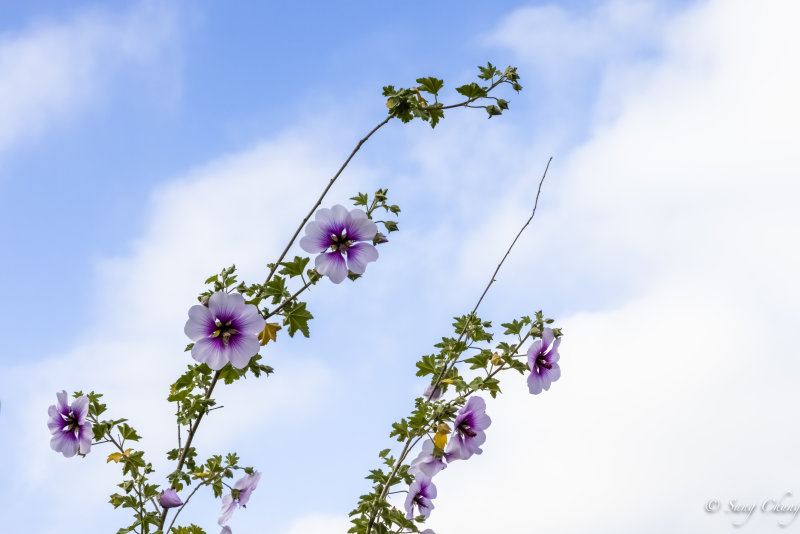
{"points": [[374, 514], [379, 200], [137, 492], [408, 104], [191, 392], [372, 503]]}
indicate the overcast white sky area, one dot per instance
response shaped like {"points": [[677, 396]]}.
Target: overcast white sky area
{"points": [[145, 145]]}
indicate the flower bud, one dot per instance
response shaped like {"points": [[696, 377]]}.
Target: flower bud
{"points": [[169, 498], [432, 393]]}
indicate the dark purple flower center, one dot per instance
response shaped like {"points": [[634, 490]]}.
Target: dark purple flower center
{"points": [[418, 500], [225, 330], [465, 429], [71, 423], [340, 242], [541, 362]]}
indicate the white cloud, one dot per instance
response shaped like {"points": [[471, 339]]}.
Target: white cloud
{"points": [[53, 69], [674, 390], [132, 349], [678, 211]]}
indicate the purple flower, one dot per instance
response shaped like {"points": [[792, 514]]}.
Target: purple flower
{"points": [[225, 331], [226, 530], [339, 232], [420, 493], [426, 464], [543, 361], [468, 430], [433, 393], [240, 495], [72, 433], [169, 498]]}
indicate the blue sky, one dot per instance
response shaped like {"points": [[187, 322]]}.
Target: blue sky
{"points": [[661, 246]]}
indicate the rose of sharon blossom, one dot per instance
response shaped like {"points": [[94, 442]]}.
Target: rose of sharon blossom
{"points": [[426, 463], [543, 361], [432, 393], [72, 432], [225, 331], [341, 233], [468, 430], [240, 495], [169, 498], [420, 493]]}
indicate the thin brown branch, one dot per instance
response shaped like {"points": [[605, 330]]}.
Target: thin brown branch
{"points": [[408, 445], [322, 196]]}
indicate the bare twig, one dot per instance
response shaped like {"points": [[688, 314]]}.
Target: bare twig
{"points": [[408, 444]]}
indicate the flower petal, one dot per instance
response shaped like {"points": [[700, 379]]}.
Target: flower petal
{"points": [[63, 403], [241, 349], [317, 239], [332, 265], [335, 216], [533, 352], [360, 227], [228, 506], [225, 306], [537, 382], [250, 322], [85, 436], [210, 352], [80, 408], [55, 422], [200, 323], [547, 337], [554, 373], [359, 255], [64, 442]]}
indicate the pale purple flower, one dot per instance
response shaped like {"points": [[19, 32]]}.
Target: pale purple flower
{"points": [[169, 498], [342, 234], [72, 432], [224, 331], [426, 463], [239, 496], [226, 530], [543, 361], [468, 430], [420, 493], [433, 393]]}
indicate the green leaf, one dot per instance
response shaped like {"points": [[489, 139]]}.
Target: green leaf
{"points": [[360, 199], [296, 318], [128, 433], [512, 328], [229, 374], [400, 430], [430, 85], [426, 366], [488, 72], [295, 267], [99, 430], [472, 91]]}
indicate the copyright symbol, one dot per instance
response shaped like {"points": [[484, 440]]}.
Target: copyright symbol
{"points": [[712, 506]]}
